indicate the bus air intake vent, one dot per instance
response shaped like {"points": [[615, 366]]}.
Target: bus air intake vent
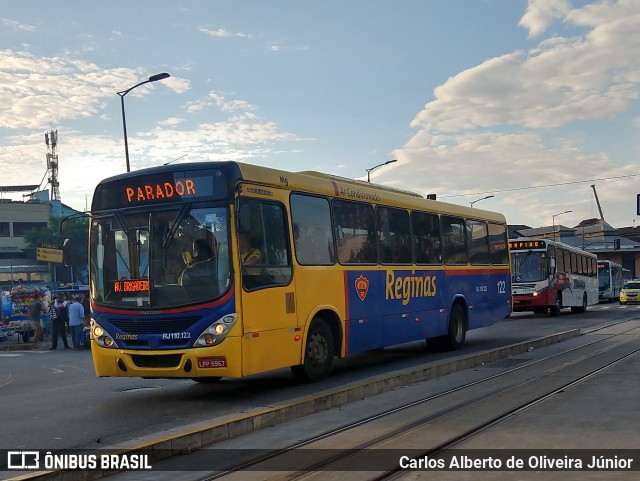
{"points": [[290, 302], [154, 325], [159, 361]]}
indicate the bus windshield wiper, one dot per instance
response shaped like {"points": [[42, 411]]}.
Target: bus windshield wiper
{"points": [[182, 213]]}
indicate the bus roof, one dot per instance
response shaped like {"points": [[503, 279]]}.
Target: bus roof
{"points": [[311, 182], [544, 243]]}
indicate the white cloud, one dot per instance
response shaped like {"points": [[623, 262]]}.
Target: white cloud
{"points": [[541, 13], [13, 25], [221, 32], [497, 125], [218, 100], [74, 89], [70, 89]]}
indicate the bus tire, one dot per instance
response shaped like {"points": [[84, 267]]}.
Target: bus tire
{"points": [[583, 307], [457, 333], [555, 309], [207, 380], [457, 327], [318, 353]]}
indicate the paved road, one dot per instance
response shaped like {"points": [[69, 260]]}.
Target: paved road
{"points": [[52, 399]]}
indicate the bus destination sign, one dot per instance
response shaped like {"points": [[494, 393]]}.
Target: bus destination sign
{"points": [[162, 187], [160, 190], [131, 285], [530, 244]]}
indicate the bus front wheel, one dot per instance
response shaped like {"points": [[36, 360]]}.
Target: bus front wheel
{"points": [[207, 380], [555, 309], [318, 353]]}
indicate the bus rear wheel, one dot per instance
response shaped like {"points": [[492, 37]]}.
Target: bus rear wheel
{"points": [[457, 334], [583, 307], [318, 353]]}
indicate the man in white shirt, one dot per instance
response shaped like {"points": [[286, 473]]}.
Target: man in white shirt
{"points": [[76, 315]]}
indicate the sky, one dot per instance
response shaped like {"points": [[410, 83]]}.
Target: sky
{"points": [[531, 102]]}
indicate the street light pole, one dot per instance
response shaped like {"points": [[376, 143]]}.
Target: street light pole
{"points": [[478, 200], [376, 166], [553, 220], [153, 78]]}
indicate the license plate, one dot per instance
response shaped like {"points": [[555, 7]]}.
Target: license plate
{"points": [[212, 362]]}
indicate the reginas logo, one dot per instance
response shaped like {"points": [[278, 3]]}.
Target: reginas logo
{"points": [[409, 287], [362, 287]]}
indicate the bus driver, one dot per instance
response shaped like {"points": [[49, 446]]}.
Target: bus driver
{"points": [[201, 269]]}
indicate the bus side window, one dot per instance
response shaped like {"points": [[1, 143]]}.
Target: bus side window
{"points": [[477, 236], [498, 244], [426, 238], [355, 232], [313, 242], [265, 224], [455, 240]]}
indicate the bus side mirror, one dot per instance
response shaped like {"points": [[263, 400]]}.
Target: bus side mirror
{"points": [[552, 264]]}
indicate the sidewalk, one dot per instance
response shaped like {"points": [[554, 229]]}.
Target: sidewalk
{"points": [[15, 343]]}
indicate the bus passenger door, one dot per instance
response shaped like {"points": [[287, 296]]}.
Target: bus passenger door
{"points": [[267, 292]]}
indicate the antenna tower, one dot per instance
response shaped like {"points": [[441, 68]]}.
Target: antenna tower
{"points": [[51, 139]]}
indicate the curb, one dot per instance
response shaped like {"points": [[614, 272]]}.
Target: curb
{"points": [[204, 434]]}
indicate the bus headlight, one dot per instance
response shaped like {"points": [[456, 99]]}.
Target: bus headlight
{"points": [[216, 332], [540, 292], [100, 336]]}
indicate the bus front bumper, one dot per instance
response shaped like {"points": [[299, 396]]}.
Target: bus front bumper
{"points": [[223, 360], [529, 302]]}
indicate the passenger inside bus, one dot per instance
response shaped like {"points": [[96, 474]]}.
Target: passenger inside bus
{"points": [[250, 255]]}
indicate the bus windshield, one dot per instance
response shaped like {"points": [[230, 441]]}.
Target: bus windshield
{"points": [[529, 266], [604, 279], [160, 258]]}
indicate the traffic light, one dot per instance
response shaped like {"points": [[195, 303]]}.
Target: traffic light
{"points": [[616, 244]]}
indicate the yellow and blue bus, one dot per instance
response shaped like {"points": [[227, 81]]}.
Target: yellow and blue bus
{"points": [[331, 267]]}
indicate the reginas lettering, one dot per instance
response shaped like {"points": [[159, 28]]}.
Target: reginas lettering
{"points": [[409, 287], [165, 190]]}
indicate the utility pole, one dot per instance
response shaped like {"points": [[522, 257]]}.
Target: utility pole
{"points": [[51, 139]]}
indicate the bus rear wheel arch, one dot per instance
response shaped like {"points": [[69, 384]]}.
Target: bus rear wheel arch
{"points": [[319, 351], [583, 306]]}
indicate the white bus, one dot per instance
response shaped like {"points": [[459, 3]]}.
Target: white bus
{"points": [[547, 276], [610, 280]]}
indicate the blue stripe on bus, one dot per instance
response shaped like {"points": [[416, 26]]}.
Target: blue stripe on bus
{"points": [[386, 307]]}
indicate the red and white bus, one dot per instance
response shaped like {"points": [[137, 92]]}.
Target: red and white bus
{"points": [[547, 276]]}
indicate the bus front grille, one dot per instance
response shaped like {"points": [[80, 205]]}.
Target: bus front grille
{"points": [[154, 326], [157, 360]]}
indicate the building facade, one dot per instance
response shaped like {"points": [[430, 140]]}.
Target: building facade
{"points": [[18, 264]]}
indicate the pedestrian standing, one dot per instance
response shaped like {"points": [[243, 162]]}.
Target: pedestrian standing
{"points": [[84, 300], [63, 311], [36, 309], [59, 327], [76, 317]]}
